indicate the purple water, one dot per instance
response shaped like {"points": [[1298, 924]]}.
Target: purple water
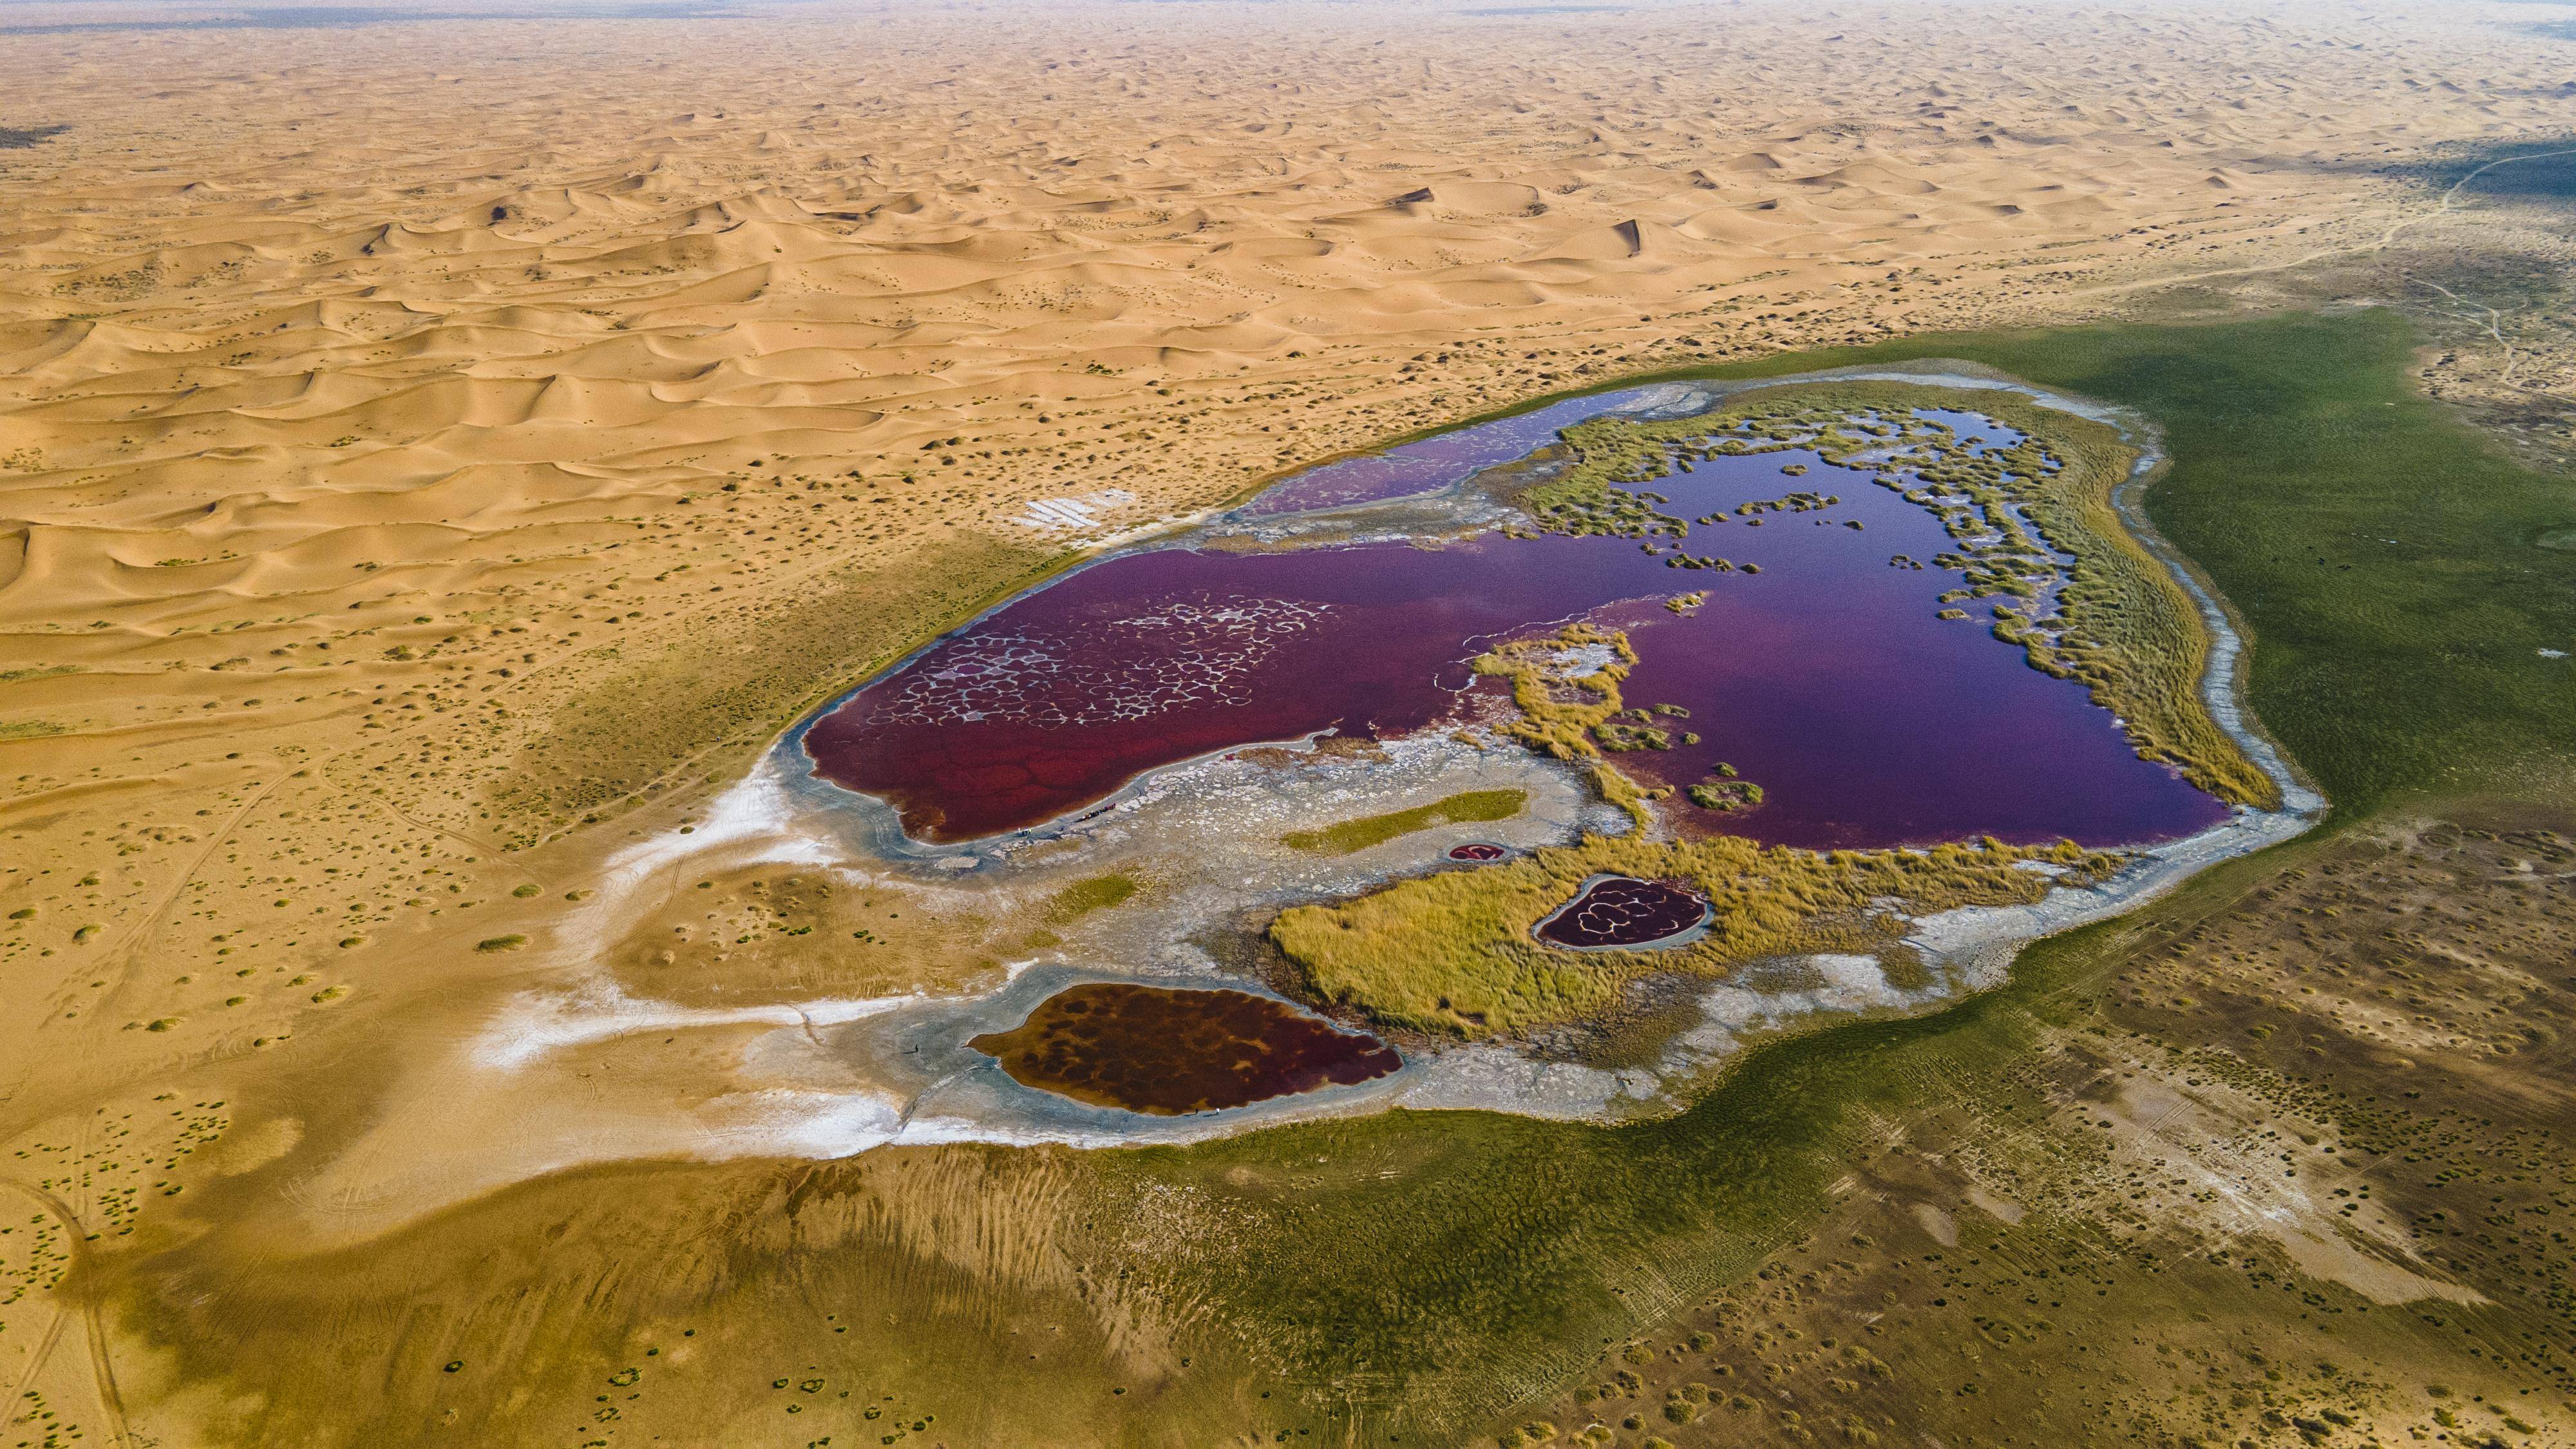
{"points": [[1433, 463], [1621, 910], [1826, 679]]}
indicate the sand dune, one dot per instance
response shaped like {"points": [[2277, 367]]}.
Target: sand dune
{"points": [[422, 440]]}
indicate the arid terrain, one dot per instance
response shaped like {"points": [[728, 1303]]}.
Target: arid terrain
{"points": [[438, 454]]}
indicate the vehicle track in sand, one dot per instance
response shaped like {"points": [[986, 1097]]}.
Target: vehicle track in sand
{"points": [[102, 1371]]}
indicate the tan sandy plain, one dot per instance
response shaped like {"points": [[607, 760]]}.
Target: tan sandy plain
{"points": [[434, 455]]}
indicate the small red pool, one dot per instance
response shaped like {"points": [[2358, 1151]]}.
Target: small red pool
{"points": [[1620, 910]]}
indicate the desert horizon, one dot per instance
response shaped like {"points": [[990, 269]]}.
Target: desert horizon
{"points": [[450, 456]]}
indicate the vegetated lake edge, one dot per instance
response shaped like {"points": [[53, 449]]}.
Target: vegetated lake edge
{"points": [[2241, 782], [1371, 951], [1506, 1251], [2111, 447]]}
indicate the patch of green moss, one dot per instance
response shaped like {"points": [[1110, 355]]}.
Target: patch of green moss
{"points": [[1098, 893], [1466, 807]]}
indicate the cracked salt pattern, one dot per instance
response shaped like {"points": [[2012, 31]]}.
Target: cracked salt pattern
{"points": [[1178, 653]]}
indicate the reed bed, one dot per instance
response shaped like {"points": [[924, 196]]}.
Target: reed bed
{"points": [[1453, 953]]}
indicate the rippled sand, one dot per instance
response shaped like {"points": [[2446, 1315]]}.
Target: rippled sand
{"points": [[438, 456]]}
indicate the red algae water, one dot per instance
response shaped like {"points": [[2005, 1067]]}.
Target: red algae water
{"points": [[1168, 1052], [1619, 910], [1826, 678], [1434, 462]]}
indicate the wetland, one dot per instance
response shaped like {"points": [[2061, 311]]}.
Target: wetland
{"points": [[1792, 639], [1863, 675], [2019, 1159], [1544, 773]]}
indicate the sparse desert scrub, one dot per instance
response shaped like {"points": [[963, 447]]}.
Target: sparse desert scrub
{"points": [[759, 933], [650, 711]]}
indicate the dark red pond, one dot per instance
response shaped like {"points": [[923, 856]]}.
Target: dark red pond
{"points": [[1150, 1049], [1620, 910], [1825, 679]]}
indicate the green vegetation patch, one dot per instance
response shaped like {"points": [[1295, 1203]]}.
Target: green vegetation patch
{"points": [[1081, 898], [1468, 806], [1452, 952], [1726, 795], [1566, 686]]}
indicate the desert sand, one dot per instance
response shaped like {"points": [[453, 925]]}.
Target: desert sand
{"points": [[436, 455]]}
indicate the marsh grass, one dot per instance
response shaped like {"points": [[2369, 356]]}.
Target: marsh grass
{"points": [[1098, 893], [2378, 552], [1726, 796], [1453, 953], [1465, 807], [1483, 1261], [1565, 685]]}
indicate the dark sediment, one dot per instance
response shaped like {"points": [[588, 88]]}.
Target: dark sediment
{"points": [[1168, 1052]]}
